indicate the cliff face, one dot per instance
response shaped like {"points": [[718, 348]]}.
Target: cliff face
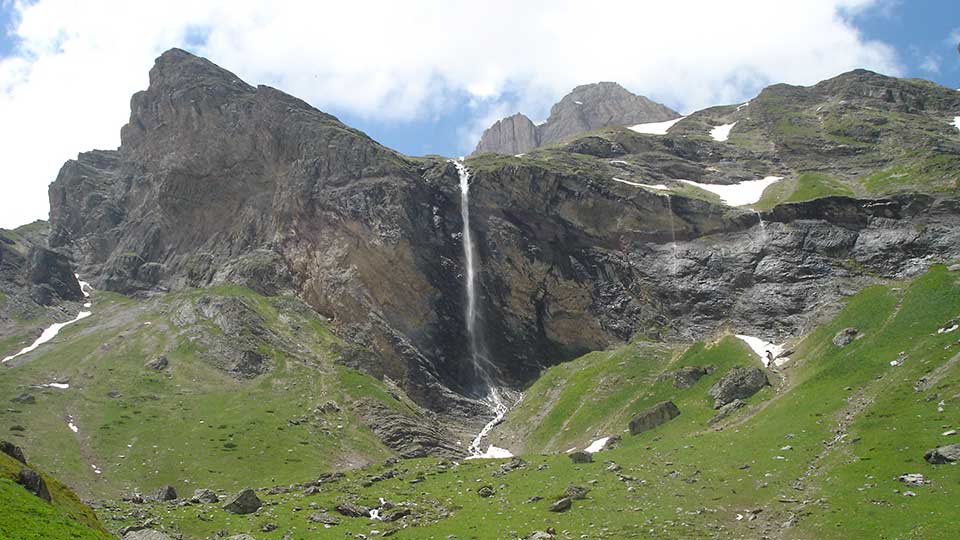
{"points": [[217, 181], [587, 107]]}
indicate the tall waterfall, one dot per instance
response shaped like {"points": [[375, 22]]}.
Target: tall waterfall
{"points": [[482, 366]]}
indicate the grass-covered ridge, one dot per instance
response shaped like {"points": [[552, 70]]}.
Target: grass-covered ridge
{"points": [[815, 456]]}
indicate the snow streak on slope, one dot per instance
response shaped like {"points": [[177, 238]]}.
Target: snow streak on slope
{"points": [[655, 128], [722, 133], [54, 329]]}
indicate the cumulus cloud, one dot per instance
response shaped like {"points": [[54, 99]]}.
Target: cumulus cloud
{"points": [[67, 87]]}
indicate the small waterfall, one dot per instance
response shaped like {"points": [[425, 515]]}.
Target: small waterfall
{"points": [[763, 227], [483, 368]]}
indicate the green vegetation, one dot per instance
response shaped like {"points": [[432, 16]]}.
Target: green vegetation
{"points": [[24, 516]]}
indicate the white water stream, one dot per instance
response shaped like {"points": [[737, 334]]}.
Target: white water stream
{"points": [[482, 366]]}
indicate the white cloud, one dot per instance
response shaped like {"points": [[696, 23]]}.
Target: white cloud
{"points": [[931, 63], [68, 90]]}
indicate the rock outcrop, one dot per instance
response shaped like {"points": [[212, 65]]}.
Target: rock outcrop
{"points": [[738, 383], [657, 415], [585, 108], [943, 454], [244, 502]]}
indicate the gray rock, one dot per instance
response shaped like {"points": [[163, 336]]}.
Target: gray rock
{"points": [[485, 491], [688, 376], [25, 399], [845, 337], [244, 502], [511, 135], [576, 493], [34, 483], [654, 416], [943, 454], [738, 383], [562, 505], [726, 411], [581, 457], [350, 509], [146, 534], [323, 518], [157, 364], [204, 496], [540, 535], [166, 493], [241, 537], [396, 515], [13, 451]]}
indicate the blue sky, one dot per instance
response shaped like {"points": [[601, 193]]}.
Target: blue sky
{"points": [[427, 76]]}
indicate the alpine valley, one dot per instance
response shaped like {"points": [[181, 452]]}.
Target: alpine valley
{"points": [[253, 321]]}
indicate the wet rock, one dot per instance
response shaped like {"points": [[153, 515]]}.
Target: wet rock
{"points": [[323, 518], [654, 416], [25, 399], [576, 493], [943, 454], [204, 496], [13, 451], [738, 383], [146, 534], [244, 502], [34, 483], [845, 337], [350, 509], [166, 493], [686, 377], [561, 505], [157, 364], [581, 457], [412, 436]]}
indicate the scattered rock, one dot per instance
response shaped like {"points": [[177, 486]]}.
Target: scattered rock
{"points": [[486, 491], [166, 493], [17, 427], [204, 496], [146, 534], [581, 457], [845, 337], [324, 518], [34, 483], [686, 377], [245, 502], [727, 410], [352, 510], [157, 364], [396, 515], [241, 537], [913, 479], [13, 451], [576, 493], [943, 454], [738, 383], [654, 416], [25, 399], [540, 535], [561, 505]]}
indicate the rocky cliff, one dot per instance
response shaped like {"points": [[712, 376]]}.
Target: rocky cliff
{"points": [[585, 108], [217, 181]]}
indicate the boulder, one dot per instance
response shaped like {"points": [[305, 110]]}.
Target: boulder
{"points": [[576, 493], [581, 457], [204, 496], [157, 364], [245, 502], [727, 410], [323, 518], [25, 399], [688, 376], [738, 383], [166, 493], [485, 491], [845, 337], [562, 505], [654, 416], [540, 535], [146, 534], [943, 454], [397, 514], [33, 481], [13, 451], [352, 510], [241, 537]]}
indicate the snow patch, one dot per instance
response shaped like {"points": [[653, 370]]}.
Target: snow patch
{"points": [[765, 350], [55, 328], [740, 107], [948, 330], [618, 162], [597, 445], [956, 122], [748, 192], [493, 452], [650, 186], [73, 427], [722, 133], [61, 386], [655, 128], [578, 102]]}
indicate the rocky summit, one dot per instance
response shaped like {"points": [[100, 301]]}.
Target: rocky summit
{"points": [[739, 324]]}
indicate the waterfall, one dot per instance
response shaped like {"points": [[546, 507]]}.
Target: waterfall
{"points": [[673, 235], [483, 368], [763, 227]]}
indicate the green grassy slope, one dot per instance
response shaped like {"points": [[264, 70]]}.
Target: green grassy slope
{"points": [[814, 457], [191, 425], [24, 516]]}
